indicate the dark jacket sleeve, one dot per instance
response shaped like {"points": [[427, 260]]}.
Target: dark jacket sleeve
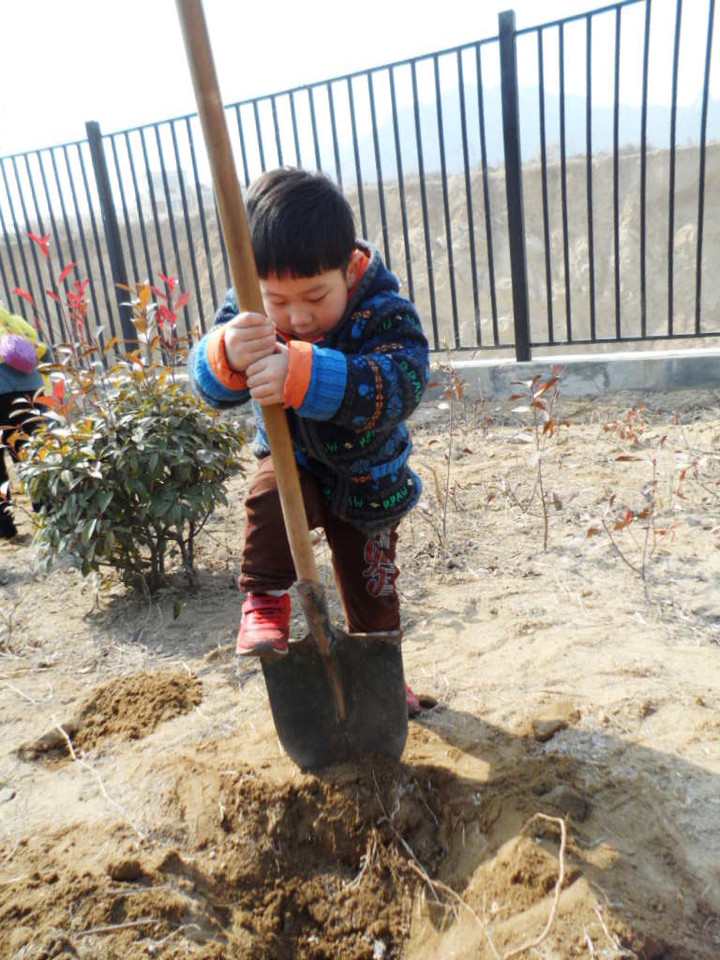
{"points": [[387, 368]]}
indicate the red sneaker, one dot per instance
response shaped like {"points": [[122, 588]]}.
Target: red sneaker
{"points": [[265, 626], [413, 702]]}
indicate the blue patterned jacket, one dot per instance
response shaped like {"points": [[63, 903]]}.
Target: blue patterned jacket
{"points": [[368, 375]]}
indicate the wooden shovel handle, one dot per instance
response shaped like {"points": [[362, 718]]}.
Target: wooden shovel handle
{"points": [[242, 267]]}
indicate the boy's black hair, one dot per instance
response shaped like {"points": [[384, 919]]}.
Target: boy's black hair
{"points": [[300, 224]]}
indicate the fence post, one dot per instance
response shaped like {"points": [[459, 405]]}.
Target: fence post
{"points": [[112, 231], [513, 182]]}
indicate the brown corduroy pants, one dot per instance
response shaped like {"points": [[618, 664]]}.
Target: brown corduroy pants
{"points": [[363, 564]]}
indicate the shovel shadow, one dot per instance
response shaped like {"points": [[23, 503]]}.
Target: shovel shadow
{"points": [[643, 825]]}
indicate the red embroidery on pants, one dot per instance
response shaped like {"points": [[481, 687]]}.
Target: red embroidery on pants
{"points": [[380, 569]]}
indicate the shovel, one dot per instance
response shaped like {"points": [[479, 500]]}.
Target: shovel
{"points": [[334, 696]]}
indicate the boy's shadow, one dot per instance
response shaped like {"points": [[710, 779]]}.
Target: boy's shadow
{"points": [[643, 825]]}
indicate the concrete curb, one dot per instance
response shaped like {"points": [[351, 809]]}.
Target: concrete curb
{"points": [[591, 375]]}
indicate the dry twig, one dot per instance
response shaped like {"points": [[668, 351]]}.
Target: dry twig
{"points": [[366, 861], [111, 928], [19, 692], [622, 953], [558, 887]]}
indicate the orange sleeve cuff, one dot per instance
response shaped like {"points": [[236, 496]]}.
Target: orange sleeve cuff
{"points": [[218, 361], [297, 380]]}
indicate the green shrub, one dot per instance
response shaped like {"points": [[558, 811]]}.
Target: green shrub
{"points": [[125, 464], [121, 484]]}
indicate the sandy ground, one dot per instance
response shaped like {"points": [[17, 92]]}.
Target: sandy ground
{"points": [[562, 800]]}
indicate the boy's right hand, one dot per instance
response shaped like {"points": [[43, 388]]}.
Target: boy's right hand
{"points": [[248, 337]]}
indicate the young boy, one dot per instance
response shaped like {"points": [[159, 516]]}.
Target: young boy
{"points": [[345, 354]]}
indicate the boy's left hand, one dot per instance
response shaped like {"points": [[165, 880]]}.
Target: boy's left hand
{"points": [[266, 377]]}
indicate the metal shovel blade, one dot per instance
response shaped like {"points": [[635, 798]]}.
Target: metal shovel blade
{"points": [[370, 670]]}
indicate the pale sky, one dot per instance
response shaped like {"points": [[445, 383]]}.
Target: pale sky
{"points": [[122, 62]]}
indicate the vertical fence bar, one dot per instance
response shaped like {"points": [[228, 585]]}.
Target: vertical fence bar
{"points": [[671, 187], [18, 236], [313, 123], [616, 172], [8, 247], [589, 173], [486, 199], [188, 229], [56, 239], [126, 213], [48, 200], [258, 134], [423, 203], [296, 134], [378, 169], [468, 198], [243, 151], [513, 182], [203, 221], [3, 274], [138, 201], [83, 241], [563, 185], [276, 128], [23, 208], [701, 175], [153, 202], [356, 153], [223, 248], [110, 224], [643, 173], [446, 204], [333, 131], [33, 194], [544, 185], [401, 186], [168, 202]]}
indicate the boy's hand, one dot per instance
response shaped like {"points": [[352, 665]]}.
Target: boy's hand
{"points": [[266, 377], [248, 337]]}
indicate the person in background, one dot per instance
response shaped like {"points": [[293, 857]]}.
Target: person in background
{"points": [[20, 353], [344, 352]]}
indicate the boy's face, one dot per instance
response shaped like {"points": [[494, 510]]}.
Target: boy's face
{"points": [[307, 307]]}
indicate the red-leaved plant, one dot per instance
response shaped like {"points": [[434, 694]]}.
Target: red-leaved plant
{"points": [[127, 463], [156, 322], [541, 395]]}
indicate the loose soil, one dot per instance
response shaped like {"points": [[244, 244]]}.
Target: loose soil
{"points": [[561, 800]]}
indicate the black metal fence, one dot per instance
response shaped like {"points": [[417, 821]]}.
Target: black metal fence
{"points": [[517, 215]]}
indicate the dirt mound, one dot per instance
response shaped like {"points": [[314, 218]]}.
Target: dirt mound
{"points": [[310, 869], [324, 867], [126, 708]]}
